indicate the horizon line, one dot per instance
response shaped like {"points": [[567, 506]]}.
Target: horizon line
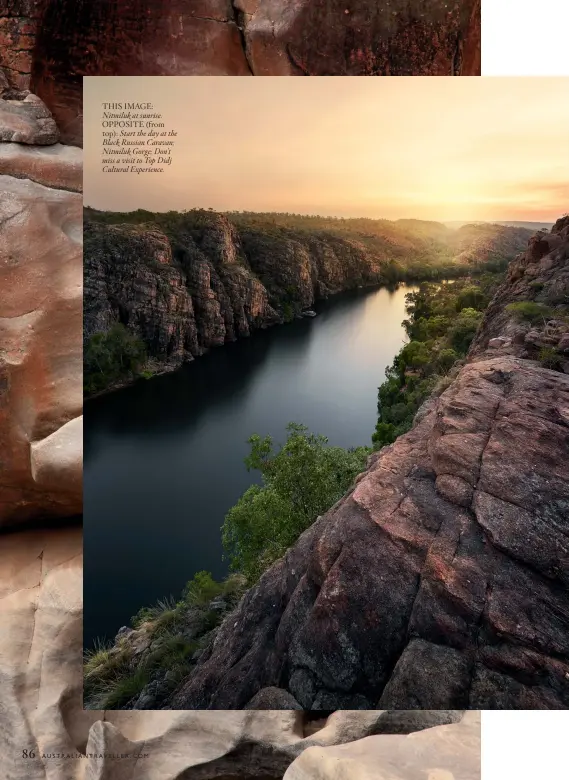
{"points": [[320, 216]]}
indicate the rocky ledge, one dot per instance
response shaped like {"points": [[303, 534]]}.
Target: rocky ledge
{"points": [[441, 580]]}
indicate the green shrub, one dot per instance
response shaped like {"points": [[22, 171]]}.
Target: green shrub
{"points": [[442, 322], [529, 311], [550, 358], [118, 692], [173, 650], [385, 433], [288, 312], [445, 360], [201, 589], [471, 297], [464, 329], [146, 614]]}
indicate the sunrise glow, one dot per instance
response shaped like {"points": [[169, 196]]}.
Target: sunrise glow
{"points": [[429, 148]]}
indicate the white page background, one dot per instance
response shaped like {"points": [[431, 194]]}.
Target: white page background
{"points": [[525, 37], [525, 744]]}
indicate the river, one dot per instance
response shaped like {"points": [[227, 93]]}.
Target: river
{"points": [[164, 457]]}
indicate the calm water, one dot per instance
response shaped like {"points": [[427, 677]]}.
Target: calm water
{"points": [[164, 457]]}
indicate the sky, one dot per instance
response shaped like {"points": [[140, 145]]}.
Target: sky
{"points": [[442, 148]]}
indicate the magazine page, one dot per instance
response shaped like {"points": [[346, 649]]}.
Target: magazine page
{"points": [[283, 389]]}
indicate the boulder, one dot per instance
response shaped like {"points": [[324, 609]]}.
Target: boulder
{"points": [[563, 345], [457, 539], [27, 121], [273, 699], [498, 342]]}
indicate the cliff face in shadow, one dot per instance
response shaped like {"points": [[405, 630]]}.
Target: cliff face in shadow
{"points": [[441, 580], [183, 283]]}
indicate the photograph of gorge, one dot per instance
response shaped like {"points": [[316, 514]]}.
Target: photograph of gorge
{"points": [[326, 377]]}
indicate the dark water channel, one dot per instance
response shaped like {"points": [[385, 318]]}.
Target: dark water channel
{"points": [[164, 457]]}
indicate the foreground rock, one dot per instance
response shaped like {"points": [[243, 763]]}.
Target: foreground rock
{"points": [[41, 676], [441, 580], [55, 166], [41, 279], [442, 752], [41, 653], [27, 121], [51, 44]]}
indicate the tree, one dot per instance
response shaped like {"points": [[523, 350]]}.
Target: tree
{"points": [[110, 357], [463, 331], [300, 480]]}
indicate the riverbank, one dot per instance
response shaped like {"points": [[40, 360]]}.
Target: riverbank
{"points": [[173, 447], [165, 642], [162, 289]]}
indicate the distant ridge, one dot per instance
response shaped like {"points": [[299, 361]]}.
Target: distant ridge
{"points": [[511, 223]]}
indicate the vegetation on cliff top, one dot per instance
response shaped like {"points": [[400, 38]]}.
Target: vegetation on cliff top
{"points": [[296, 258], [408, 249], [443, 320]]}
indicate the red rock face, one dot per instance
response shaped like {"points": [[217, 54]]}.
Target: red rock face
{"points": [[40, 332], [49, 45], [442, 579]]}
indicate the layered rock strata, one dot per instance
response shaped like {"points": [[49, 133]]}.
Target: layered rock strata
{"points": [[41, 279], [202, 281], [49, 45], [441, 579]]}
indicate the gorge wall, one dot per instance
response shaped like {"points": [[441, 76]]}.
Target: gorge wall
{"points": [[193, 281], [441, 579], [49, 45]]}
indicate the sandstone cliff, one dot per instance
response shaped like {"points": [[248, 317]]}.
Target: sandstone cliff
{"points": [[49, 45], [441, 580], [40, 314], [188, 282]]}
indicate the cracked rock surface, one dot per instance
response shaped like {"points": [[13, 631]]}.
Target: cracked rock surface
{"points": [[441, 580], [52, 44]]}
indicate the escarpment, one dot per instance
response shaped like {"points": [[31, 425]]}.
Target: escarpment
{"points": [[184, 283], [441, 580], [49, 45]]}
